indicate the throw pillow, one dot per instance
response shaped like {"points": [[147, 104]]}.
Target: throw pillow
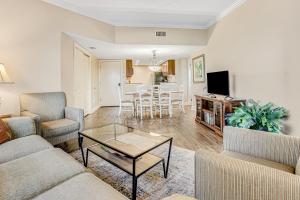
{"points": [[5, 132]]}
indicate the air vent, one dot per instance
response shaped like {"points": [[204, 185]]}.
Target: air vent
{"points": [[161, 34]]}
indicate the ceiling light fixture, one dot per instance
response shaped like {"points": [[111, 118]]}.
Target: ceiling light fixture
{"points": [[154, 64]]}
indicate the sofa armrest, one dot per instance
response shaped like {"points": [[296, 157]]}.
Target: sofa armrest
{"points": [[75, 114], [21, 126], [275, 147], [222, 177], [35, 117]]}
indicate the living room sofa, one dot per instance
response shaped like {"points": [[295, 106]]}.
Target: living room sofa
{"points": [[31, 168], [55, 121], [254, 165]]}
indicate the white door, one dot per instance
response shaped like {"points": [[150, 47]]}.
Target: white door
{"points": [[81, 79], [110, 78]]}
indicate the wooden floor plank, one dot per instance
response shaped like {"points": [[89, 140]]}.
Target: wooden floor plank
{"points": [[182, 127]]}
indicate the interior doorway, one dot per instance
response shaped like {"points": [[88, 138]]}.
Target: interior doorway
{"points": [[110, 73]]}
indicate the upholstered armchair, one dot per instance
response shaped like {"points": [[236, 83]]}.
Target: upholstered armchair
{"points": [[254, 165], [54, 121]]}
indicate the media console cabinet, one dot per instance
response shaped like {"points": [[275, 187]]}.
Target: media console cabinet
{"points": [[211, 112]]}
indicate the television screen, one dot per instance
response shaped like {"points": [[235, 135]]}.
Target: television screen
{"points": [[218, 83]]}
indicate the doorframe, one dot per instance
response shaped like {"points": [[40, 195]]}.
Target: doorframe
{"points": [[89, 92], [100, 72]]}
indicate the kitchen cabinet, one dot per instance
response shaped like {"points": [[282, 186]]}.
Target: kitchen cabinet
{"points": [[168, 67], [129, 68]]}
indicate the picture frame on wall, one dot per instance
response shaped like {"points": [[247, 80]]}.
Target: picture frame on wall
{"points": [[199, 69]]}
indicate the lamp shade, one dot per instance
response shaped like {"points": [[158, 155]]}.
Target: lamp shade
{"points": [[4, 78]]}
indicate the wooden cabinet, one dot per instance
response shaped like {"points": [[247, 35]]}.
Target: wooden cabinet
{"points": [[168, 67], [212, 112], [129, 68]]}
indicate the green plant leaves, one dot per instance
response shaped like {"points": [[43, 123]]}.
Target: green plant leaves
{"points": [[252, 115]]}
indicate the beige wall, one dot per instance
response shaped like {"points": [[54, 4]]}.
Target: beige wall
{"points": [[30, 45], [67, 67], [130, 35], [259, 44], [142, 74]]}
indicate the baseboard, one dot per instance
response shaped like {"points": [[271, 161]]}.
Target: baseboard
{"points": [[94, 109]]}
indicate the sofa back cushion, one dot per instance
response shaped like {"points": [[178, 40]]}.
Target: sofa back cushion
{"points": [[5, 132], [279, 148], [49, 106]]}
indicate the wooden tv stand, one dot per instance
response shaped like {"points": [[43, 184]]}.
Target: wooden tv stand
{"points": [[211, 112]]}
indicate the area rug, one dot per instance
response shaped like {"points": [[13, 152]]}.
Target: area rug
{"points": [[151, 185]]}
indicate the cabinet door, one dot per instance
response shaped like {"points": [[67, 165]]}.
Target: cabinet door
{"points": [[218, 113], [171, 67], [129, 68]]}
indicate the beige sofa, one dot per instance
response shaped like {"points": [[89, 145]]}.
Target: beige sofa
{"points": [[31, 168], [253, 166]]}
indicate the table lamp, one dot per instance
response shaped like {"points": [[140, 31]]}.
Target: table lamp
{"points": [[4, 78]]}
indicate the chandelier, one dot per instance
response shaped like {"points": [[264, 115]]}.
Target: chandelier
{"points": [[154, 66]]}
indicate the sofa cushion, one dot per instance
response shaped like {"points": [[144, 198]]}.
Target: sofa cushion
{"points": [[22, 147], [59, 127], [5, 132], [26, 177], [82, 186], [260, 161]]}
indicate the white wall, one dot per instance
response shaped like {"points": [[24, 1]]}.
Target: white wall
{"points": [[181, 73], [259, 44], [142, 75], [30, 46], [175, 36]]}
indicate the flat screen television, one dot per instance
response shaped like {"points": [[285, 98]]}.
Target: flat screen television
{"points": [[218, 83]]}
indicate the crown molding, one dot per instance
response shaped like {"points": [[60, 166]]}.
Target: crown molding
{"points": [[230, 9], [226, 12]]}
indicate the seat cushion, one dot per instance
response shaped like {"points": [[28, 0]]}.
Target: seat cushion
{"points": [[260, 161], [26, 177], [22, 147], [82, 186], [59, 127]]}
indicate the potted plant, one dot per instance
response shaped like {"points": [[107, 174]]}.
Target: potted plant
{"points": [[252, 115]]}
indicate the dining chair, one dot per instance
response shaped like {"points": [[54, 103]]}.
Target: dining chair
{"points": [[126, 102], [165, 100], [145, 100], [177, 98], [155, 101]]}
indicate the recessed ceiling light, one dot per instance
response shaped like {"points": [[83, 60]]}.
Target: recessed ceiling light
{"points": [[93, 48]]}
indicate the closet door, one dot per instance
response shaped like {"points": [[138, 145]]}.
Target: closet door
{"points": [[82, 64]]}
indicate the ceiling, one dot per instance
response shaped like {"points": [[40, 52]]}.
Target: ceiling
{"points": [[195, 14], [141, 54]]}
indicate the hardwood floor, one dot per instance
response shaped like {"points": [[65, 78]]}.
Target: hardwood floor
{"points": [[182, 126]]}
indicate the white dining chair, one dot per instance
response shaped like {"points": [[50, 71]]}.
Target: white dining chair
{"points": [[155, 101], [145, 100], [165, 100], [177, 98], [126, 102]]}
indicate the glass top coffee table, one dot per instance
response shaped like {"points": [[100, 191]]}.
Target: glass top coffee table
{"points": [[126, 148]]}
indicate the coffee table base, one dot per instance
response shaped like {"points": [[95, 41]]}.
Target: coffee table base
{"points": [[134, 172]]}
